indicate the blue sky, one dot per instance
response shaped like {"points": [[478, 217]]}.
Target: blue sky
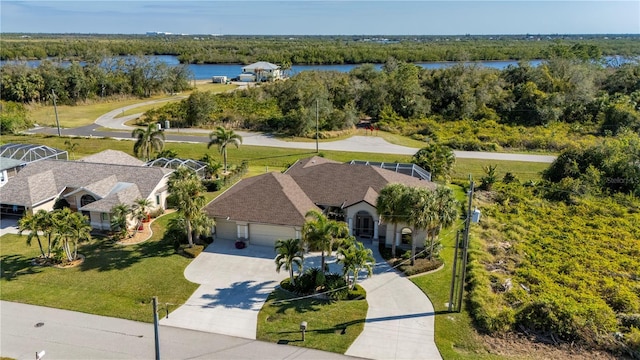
{"points": [[322, 17]]}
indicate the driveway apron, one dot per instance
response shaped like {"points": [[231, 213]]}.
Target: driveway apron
{"points": [[234, 284], [400, 320]]}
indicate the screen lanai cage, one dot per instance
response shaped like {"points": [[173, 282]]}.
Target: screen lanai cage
{"points": [[199, 167], [30, 153], [402, 168]]}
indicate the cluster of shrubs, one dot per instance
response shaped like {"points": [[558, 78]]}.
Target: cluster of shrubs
{"points": [[332, 285], [401, 260], [234, 175]]}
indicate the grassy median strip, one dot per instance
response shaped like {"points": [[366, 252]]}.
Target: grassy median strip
{"points": [[332, 325], [117, 281]]}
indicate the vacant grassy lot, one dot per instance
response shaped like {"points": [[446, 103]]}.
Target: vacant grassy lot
{"points": [[114, 280], [332, 325]]}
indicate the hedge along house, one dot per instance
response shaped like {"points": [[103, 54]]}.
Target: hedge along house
{"points": [[272, 206], [93, 186]]}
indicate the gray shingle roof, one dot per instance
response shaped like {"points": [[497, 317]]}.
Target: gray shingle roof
{"points": [[44, 180], [113, 157], [271, 198]]}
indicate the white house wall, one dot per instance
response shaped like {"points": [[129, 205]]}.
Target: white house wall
{"points": [[419, 236], [350, 216]]}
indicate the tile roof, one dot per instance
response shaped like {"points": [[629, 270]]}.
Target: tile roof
{"points": [[113, 157], [271, 198], [44, 180]]}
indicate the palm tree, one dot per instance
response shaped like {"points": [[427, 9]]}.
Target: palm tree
{"points": [[392, 208], [354, 258], [223, 137], [119, 218], [70, 146], [445, 207], [187, 192], [212, 166], [421, 215], [289, 253], [139, 210], [80, 230], [201, 224], [148, 139], [321, 232], [32, 224], [70, 229]]}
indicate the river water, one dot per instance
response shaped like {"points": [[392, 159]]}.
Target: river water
{"points": [[206, 71]]}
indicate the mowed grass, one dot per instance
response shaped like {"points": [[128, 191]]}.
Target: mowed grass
{"points": [[82, 115], [114, 280], [331, 325], [455, 335], [262, 158]]}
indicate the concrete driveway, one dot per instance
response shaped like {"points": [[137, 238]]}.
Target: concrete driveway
{"points": [[400, 319], [234, 284]]}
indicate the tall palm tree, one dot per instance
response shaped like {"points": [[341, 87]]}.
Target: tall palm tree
{"points": [[148, 139], [392, 208], [421, 215], [320, 232], [289, 253], [354, 258], [445, 207], [212, 166], [70, 229], [32, 224], [187, 192], [201, 224], [223, 137], [80, 230]]}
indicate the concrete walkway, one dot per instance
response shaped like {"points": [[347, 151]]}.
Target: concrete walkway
{"points": [[400, 320], [62, 334]]}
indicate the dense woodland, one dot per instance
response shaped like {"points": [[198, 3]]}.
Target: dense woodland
{"points": [[312, 49], [560, 103]]}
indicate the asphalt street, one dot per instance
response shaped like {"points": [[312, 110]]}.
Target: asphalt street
{"points": [[27, 330]]}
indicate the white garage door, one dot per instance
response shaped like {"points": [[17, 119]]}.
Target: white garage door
{"points": [[226, 229], [266, 235]]}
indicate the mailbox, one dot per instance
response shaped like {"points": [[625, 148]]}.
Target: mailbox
{"points": [[303, 326]]}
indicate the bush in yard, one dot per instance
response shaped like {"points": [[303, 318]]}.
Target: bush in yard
{"points": [[358, 293], [193, 251], [336, 287]]}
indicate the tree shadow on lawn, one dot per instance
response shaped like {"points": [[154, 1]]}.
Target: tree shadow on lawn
{"points": [[241, 295], [105, 255], [12, 266]]}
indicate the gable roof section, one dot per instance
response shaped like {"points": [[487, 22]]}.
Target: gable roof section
{"points": [[123, 193], [338, 184], [43, 180], [271, 198], [114, 157]]}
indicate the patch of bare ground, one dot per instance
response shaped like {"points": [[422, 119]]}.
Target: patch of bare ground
{"points": [[516, 346]]}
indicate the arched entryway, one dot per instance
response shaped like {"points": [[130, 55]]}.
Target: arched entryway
{"points": [[86, 199], [406, 237], [364, 225]]}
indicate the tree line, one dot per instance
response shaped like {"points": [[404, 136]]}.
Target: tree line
{"points": [[76, 82], [313, 49], [403, 97]]}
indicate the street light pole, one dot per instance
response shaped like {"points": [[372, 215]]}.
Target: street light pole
{"points": [[155, 326], [55, 108]]}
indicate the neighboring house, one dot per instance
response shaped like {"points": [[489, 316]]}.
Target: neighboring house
{"points": [[14, 156], [89, 187], [260, 72], [272, 206]]}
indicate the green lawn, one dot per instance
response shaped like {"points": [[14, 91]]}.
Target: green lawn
{"points": [[117, 281], [332, 325], [455, 335]]}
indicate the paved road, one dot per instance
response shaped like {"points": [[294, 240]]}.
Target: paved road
{"points": [[370, 144], [73, 335]]}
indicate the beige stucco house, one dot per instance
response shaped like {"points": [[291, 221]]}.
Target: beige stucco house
{"points": [[272, 206], [93, 186], [261, 71]]}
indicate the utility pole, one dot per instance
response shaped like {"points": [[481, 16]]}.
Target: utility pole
{"points": [[155, 326], [55, 108], [454, 273], [465, 245], [317, 150]]}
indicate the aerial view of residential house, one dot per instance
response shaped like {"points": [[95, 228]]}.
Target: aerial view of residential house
{"points": [[272, 206], [93, 186], [260, 72]]}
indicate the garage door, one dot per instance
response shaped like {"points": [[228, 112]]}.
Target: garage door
{"points": [[226, 229], [266, 235]]}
